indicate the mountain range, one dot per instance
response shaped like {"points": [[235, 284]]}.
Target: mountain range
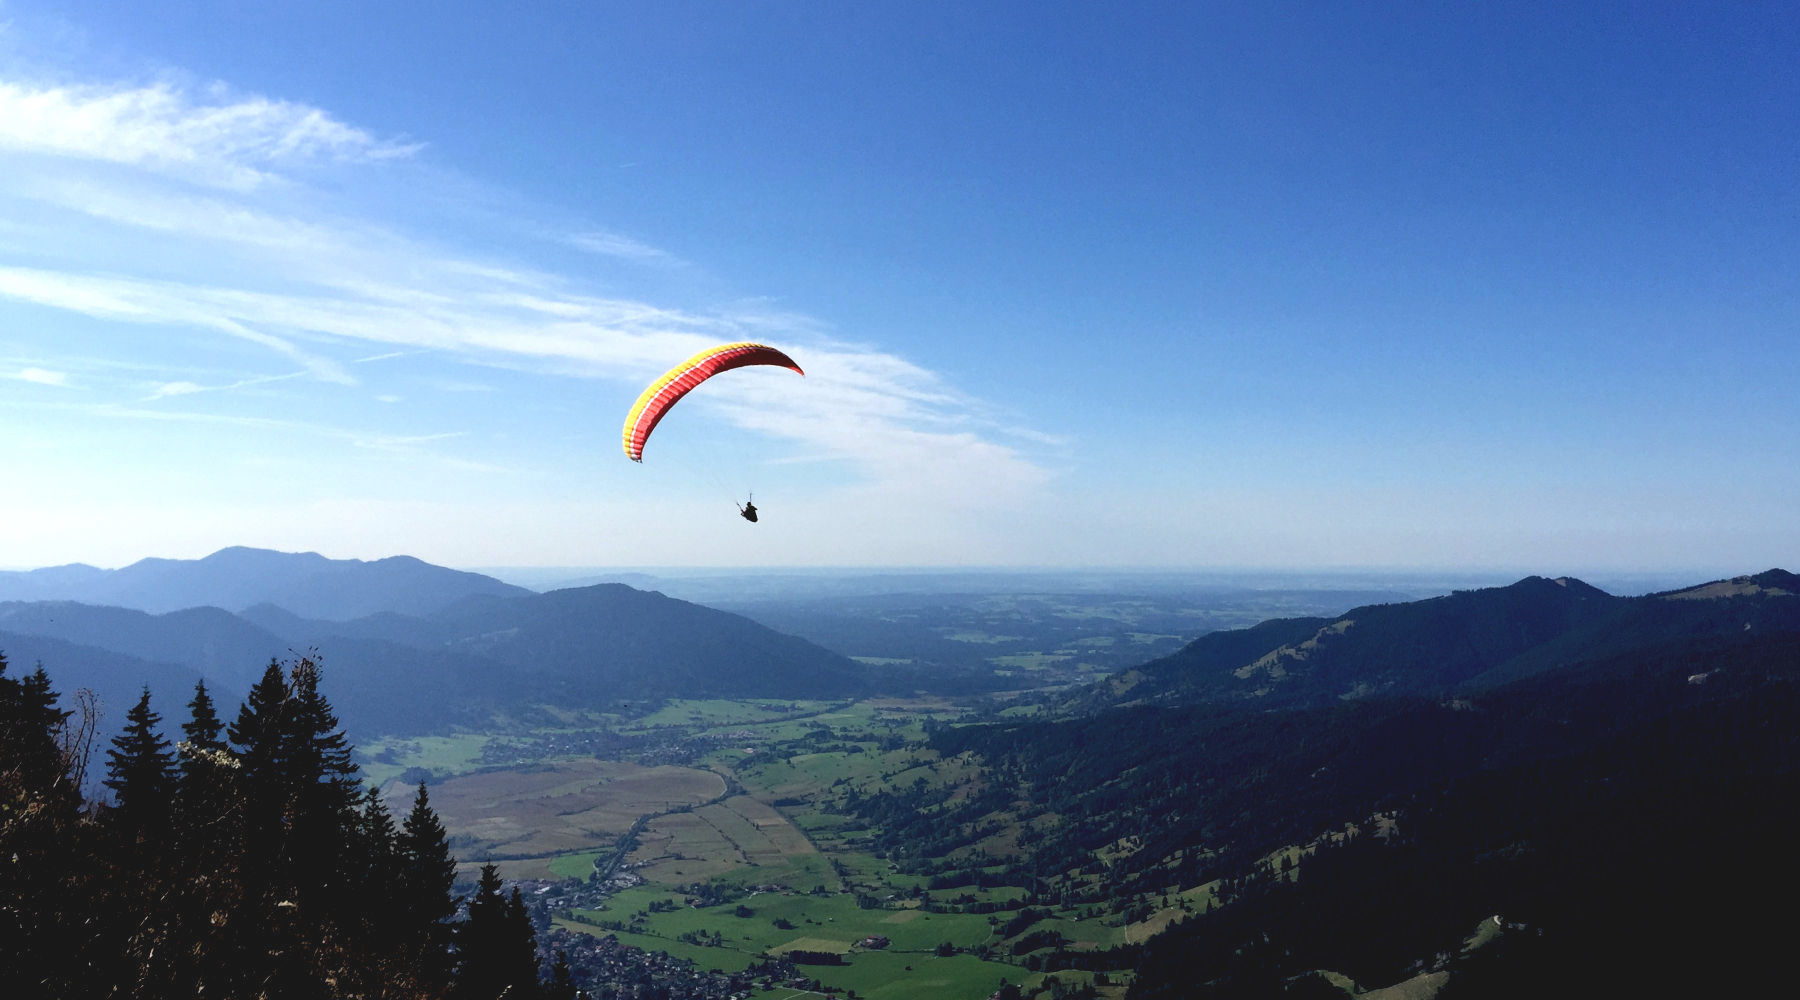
{"points": [[305, 583], [439, 648]]}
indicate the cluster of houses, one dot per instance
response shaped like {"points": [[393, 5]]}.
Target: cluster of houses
{"points": [[604, 967]]}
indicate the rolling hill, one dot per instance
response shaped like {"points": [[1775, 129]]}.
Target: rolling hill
{"points": [[1467, 640], [589, 647]]}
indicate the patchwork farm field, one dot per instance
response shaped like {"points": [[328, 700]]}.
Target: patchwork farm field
{"points": [[715, 839], [523, 819], [740, 855]]}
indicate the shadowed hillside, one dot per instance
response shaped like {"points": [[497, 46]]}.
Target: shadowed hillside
{"points": [[1466, 640], [591, 647]]}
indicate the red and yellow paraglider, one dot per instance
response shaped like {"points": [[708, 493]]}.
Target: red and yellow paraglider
{"points": [[683, 378]]}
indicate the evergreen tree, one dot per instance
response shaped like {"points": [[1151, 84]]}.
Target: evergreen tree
{"points": [[379, 841], [317, 752], [40, 846], [29, 724], [321, 794], [520, 938], [141, 773], [207, 790], [377, 853], [426, 873], [256, 733], [256, 737], [497, 946], [203, 726]]}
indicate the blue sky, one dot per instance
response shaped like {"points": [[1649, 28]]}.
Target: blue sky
{"points": [[1197, 285]]}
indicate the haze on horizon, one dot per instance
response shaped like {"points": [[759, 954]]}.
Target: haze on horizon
{"points": [[1162, 286]]}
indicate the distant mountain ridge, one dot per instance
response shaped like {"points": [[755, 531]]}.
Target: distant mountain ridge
{"points": [[305, 583], [590, 647], [1463, 641]]}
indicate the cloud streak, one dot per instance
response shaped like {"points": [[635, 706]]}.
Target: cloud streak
{"points": [[218, 140], [43, 376], [622, 247]]}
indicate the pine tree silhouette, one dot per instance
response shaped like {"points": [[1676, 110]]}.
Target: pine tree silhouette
{"points": [[141, 772], [497, 946], [426, 873]]}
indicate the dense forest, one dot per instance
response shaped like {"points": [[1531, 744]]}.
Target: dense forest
{"points": [[244, 860]]}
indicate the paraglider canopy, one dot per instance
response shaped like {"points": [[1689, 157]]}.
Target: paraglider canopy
{"points": [[678, 381]]}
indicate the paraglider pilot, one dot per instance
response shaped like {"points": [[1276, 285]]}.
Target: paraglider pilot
{"points": [[748, 509]]}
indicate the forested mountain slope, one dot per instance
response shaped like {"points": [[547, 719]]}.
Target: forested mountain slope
{"points": [[1435, 647]]}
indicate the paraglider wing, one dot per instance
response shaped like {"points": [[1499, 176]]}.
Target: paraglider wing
{"points": [[681, 379]]}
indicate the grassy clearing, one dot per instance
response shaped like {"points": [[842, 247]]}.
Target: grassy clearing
{"points": [[966, 635], [576, 865], [1030, 661], [381, 761], [886, 975]]}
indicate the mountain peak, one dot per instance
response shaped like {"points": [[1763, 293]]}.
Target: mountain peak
{"points": [[1550, 585]]}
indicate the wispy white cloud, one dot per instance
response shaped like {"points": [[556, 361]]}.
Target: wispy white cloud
{"points": [[134, 301], [183, 387], [216, 139], [42, 376], [168, 389], [624, 247]]}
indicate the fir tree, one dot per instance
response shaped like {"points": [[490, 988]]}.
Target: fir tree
{"points": [[257, 731], [207, 790], [378, 872], [141, 773], [320, 791], [29, 724], [520, 938], [497, 946], [203, 726], [426, 873], [40, 846], [316, 750], [256, 738]]}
